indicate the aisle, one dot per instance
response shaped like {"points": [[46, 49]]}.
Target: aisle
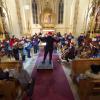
{"points": [[51, 84]]}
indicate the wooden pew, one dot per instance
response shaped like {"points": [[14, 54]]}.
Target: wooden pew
{"points": [[80, 66], [10, 65], [86, 87], [9, 88], [89, 89]]}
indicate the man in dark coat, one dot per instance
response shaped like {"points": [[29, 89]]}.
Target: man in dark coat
{"points": [[71, 52], [49, 46]]}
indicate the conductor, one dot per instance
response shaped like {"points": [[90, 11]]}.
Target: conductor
{"points": [[49, 46]]}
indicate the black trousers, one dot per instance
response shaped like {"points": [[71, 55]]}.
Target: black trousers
{"points": [[50, 51], [30, 88]]}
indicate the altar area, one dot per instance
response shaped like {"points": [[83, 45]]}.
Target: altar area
{"points": [[47, 19], [47, 30]]}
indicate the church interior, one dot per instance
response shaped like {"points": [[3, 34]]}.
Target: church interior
{"points": [[49, 49]]}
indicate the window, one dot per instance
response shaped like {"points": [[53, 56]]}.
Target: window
{"points": [[60, 12], [34, 11]]}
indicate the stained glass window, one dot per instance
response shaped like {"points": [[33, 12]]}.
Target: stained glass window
{"points": [[60, 12], [34, 11]]}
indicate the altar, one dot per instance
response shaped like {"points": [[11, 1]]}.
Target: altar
{"points": [[47, 20], [47, 30]]}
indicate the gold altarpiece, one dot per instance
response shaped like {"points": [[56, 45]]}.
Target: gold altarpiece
{"points": [[1, 29], [94, 24], [47, 19]]}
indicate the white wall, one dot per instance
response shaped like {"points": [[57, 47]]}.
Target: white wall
{"points": [[67, 23], [22, 13], [14, 26], [72, 14], [83, 7], [67, 26]]}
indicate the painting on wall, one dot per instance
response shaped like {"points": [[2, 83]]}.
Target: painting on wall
{"points": [[47, 18]]}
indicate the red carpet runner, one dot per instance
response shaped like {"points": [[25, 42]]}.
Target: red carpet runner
{"points": [[51, 84]]}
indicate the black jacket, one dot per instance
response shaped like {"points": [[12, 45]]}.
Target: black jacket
{"points": [[49, 41]]}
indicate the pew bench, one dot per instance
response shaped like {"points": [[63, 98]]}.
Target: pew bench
{"points": [[87, 87], [10, 65], [80, 66], [9, 89]]}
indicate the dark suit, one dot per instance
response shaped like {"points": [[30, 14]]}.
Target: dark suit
{"points": [[49, 47], [71, 53]]}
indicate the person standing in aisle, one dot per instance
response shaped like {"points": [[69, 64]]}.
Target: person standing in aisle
{"points": [[49, 46]]}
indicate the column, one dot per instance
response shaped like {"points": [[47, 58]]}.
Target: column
{"points": [[67, 15], [75, 16]]}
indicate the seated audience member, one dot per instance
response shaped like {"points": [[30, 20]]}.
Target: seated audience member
{"points": [[71, 52], [28, 46], [22, 49], [35, 43], [64, 51], [23, 76], [85, 53], [62, 41], [3, 75], [16, 51], [94, 50], [25, 80], [95, 68], [80, 39], [93, 72], [69, 38]]}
